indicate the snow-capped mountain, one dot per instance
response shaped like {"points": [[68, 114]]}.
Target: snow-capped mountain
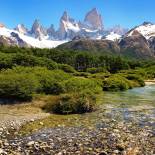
{"points": [[41, 37], [38, 31], [13, 37], [147, 29], [69, 29], [21, 29], [117, 29], [112, 36], [91, 27]]}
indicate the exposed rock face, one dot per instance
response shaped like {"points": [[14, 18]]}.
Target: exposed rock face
{"points": [[135, 45], [14, 40], [21, 29], [38, 31], [68, 27], [51, 32], [18, 40], [152, 43], [118, 30], [94, 20], [5, 41], [92, 26]]}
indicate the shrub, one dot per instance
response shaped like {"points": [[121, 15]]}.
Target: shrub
{"points": [[116, 83], [136, 78], [17, 86], [51, 80], [100, 75], [80, 84], [49, 85], [67, 68], [82, 74], [96, 70], [72, 103], [5, 61]]}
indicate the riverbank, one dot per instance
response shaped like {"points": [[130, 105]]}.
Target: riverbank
{"points": [[109, 138], [15, 115], [149, 82], [121, 126]]}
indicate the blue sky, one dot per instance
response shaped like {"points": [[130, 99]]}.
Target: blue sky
{"points": [[127, 13]]}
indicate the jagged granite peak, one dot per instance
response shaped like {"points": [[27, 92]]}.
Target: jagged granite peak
{"points": [[68, 27], [65, 16], [37, 30], [118, 30], [94, 20], [51, 31], [21, 29]]}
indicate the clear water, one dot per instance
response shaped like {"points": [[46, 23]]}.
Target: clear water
{"points": [[136, 105]]}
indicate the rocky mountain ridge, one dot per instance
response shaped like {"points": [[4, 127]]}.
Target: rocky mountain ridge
{"points": [[139, 42], [91, 27]]}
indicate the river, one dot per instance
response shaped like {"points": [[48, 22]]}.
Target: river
{"points": [[124, 124]]}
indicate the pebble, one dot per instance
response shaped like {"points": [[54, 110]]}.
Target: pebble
{"points": [[2, 152], [41, 123], [31, 143]]}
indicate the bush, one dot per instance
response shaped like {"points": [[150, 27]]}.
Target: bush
{"points": [[67, 68], [136, 78], [17, 86], [50, 81], [5, 61], [100, 75], [72, 103], [82, 74], [116, 83], [80, 84], [96, 70]]}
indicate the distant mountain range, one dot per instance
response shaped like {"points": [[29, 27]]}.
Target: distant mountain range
{"points": [[38, 36], [139, 41]]}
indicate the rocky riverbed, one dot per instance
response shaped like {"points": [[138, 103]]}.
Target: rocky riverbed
{"points": [[123, 125], [107, 138]]}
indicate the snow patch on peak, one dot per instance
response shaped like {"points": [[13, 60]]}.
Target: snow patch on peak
{"points": [[146, 29], [71, 26], [113, 36], [21, 28]]}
